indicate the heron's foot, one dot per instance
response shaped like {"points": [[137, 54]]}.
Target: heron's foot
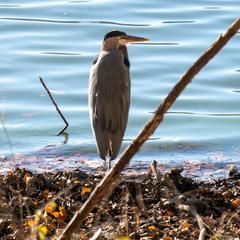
{"points": [[104, 166]]}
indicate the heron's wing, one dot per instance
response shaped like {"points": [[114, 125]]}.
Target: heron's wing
{"points": [[109, 100], [102, 138]]}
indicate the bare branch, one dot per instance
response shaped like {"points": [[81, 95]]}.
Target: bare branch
{"points": [[147, 131], [56, 106]]}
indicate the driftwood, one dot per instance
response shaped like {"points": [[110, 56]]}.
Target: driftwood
{"points": [[109, 179], [56, 106]]}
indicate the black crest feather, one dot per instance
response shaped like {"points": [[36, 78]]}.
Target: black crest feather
{"points": [[114, 33]]}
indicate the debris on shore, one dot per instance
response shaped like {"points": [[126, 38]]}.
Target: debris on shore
{"points": [[152, 205]]}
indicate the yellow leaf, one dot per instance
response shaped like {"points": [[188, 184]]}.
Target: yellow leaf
{"points": [[31, 222], [42, 232], [56, 214], [123, 238], [152, 228], [63, 212], [50, 207], [85, 190], [41, 236], [43, 229]]}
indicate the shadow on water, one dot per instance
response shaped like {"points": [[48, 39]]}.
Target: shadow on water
{"points": [[10, 5], [206, 114], [62, 53], [178, 21]]}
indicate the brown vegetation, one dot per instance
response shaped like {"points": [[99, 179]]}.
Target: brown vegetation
{"points": [[147, 206]]}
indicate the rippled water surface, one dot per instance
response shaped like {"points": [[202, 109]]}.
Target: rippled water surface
{"points": [[59, 39]]}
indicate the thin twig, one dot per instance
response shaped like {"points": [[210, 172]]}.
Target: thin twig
{"points": [[56, 106], [193, 211], [125, 214], [96, 235], [153, 167], [140, 200], [167, 181], [147, 131]]}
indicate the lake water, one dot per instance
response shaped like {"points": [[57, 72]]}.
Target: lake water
{"points": [[59, 39]]}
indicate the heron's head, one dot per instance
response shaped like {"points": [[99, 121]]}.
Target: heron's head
{"points": [[116, 39]]}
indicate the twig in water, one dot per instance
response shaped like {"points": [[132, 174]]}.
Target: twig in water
{"points": [[20, 198], [5, 130], [57, 108]]}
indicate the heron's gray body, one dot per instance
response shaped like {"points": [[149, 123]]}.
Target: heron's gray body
{"points": [[109, 100]]}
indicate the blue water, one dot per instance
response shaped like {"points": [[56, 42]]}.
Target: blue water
{"points": [[58, 40]]}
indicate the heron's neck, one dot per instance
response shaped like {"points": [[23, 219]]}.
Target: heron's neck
{"points": [[112, 46], [124, 51], [109, 45]]}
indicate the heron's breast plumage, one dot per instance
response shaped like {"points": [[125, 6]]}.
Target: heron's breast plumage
{"points": [[110, 90]]}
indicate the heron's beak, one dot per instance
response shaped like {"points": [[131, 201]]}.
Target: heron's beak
{"points": [[130, 39]]}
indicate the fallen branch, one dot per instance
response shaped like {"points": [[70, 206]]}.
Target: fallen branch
{"points": [[56, 106], [148, 130]]}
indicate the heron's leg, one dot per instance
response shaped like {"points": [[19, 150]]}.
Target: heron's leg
{"points": [[109, 163], [102, 165]]}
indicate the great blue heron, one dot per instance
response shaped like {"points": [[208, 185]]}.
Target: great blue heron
{"points": [[109, 93]]}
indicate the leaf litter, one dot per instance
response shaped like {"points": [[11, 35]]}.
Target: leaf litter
{"points": [[150, 205]]}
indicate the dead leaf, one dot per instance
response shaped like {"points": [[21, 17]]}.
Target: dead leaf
{"points": [[236, 203], [85, 190], [123, 238], [50, 207], [44, 194], [185, 226]]}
